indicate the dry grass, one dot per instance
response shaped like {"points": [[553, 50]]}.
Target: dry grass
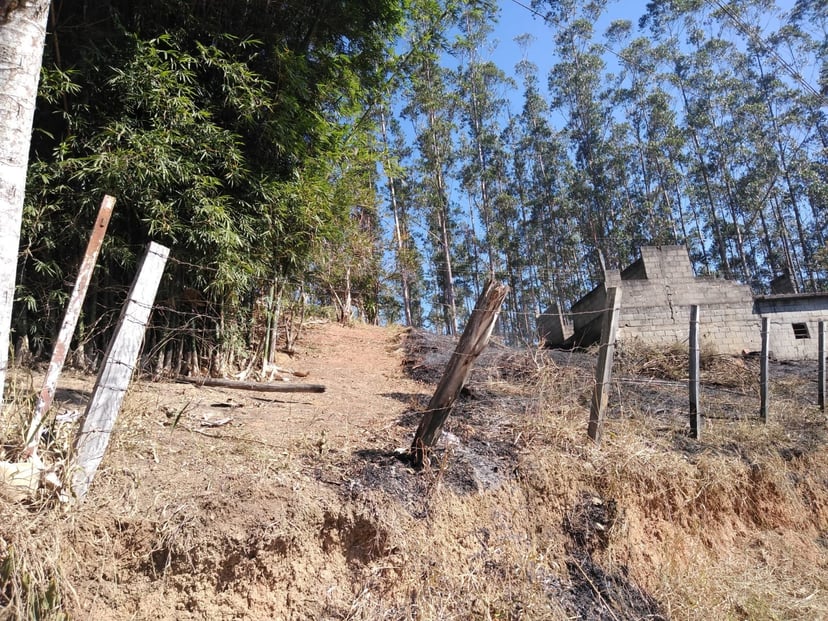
{"points": [[32, 580], [520, 517]]}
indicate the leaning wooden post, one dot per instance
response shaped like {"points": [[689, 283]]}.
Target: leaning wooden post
{"points": [[695, 415], [116, 370], [471, 344], [821, 372], [603, 370], [763, 371], [70, 320]]}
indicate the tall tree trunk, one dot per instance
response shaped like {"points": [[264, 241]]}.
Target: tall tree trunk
{"points": [[697, 226], [711, 203], [447, 277], [22, 36], [771, 260], [792, 198], [402, 265], [737, 229], [790, 257]]}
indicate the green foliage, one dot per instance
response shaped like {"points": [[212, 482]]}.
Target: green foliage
{"points": [[220, 132]]}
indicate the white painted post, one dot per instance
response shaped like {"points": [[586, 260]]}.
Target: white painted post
{"points": [[821, 372], [763, 371], [70, 320], [116, 370], [603, 370], [695, 417]]}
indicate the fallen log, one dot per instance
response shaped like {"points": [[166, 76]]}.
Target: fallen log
{"points": [[212, 382]]}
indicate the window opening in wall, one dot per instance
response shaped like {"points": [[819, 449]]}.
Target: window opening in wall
{"points": [[801, 331]]}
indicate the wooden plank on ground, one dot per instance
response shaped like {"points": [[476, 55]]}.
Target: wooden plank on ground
{"points": [[213, 382], [117, 369]]}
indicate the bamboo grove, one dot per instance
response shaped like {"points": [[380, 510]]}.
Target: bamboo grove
{"points": [[369, 158]]}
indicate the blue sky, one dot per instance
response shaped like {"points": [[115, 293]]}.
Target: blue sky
{"points": [[517, 18]]}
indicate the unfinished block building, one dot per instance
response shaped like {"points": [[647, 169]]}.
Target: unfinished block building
{"points": [[656, 294]]}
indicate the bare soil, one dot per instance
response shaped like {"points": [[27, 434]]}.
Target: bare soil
{"points": [[303, 506]]}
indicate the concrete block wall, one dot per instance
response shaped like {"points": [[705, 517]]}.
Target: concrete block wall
{"points": [[657, 310], [589, 307], [723, 328], [784, 311], [667, 263], [659, 288], [782, 340], [553, 328], [729, 328]]}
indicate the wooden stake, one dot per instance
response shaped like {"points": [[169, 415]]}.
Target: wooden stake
{"points": [[116, 370], [695, 415], [471, 344], [260, 386], [763, 371], [603, 370], [70, 320], [821, 372]]}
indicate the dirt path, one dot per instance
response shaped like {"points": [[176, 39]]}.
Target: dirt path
{"points": [[360, 367], [366, 390]]}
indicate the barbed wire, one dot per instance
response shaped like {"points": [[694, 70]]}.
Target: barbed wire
{"points": [[196, 316]]}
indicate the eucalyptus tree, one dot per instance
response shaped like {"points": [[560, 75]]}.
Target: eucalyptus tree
{"points": [[771, 104], [479, 88], [576, 83], [749, 132], [22, 35], [484, 162], [805, 39], [541, 170], [407, 254], [431, 109], [647, 109], [796, 101], [703, 81]]}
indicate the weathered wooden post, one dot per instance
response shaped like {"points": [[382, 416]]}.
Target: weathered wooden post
{"points": [[471, 344], [763, 371], [116, 370], [695, 415], [603, 370], [70, 320], [821, 372]]}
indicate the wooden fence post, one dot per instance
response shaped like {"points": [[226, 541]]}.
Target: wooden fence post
{"points": [[471, 344], [763, 371], [70, 320], [603, 370], [695, 416], [821, 372], [116, 370]]}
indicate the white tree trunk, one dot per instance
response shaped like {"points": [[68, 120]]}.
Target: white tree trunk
{"points": [[22, 36]]}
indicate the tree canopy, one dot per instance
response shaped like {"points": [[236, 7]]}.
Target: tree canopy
{"points": [[369, 156]]}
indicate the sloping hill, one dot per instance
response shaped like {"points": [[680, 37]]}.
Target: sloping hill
{"points": [[301, 507]]}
